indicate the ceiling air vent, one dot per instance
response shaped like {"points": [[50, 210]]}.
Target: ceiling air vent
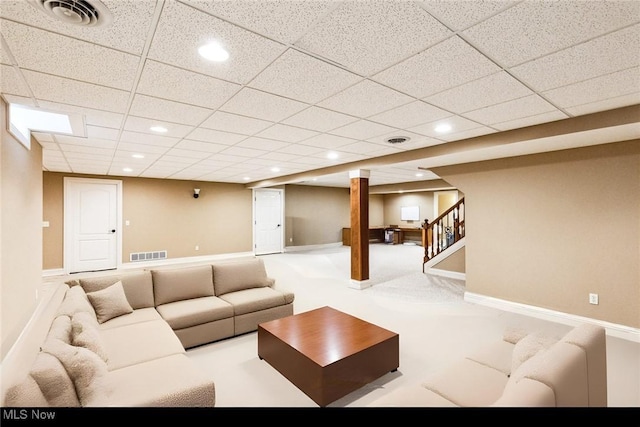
{"points": [[397, 139], [82, 13]]}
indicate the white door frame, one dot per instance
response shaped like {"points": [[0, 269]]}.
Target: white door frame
{"points": [[281, 191], [67, 230]]}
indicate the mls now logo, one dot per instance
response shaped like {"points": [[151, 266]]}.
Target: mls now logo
{"points": [[24, 414]]}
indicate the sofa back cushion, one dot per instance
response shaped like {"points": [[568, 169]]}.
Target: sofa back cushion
{"points": [[179, 284], [231, 276], [138, 287], [75, 300], [54, 381]]}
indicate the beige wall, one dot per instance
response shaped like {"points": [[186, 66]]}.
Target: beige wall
{"points": [[455, 262], [548, 229], [163, 215], [315, 215], [20, 231]]}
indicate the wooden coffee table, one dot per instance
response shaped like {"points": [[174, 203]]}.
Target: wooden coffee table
{"points": [[327, 353]]}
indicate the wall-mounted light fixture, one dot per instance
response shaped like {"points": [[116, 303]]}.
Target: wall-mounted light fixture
{"points": [[196, 193]]}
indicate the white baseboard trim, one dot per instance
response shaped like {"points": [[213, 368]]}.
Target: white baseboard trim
{"points": [[312, 247], [53, 272], [613, 329], [445, 273]]}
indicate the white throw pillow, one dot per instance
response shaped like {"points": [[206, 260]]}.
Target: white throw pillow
{"points": [[110, 302]]}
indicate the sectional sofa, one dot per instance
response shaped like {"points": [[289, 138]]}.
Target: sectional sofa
{"points": [[521, 370], [121, 340]]}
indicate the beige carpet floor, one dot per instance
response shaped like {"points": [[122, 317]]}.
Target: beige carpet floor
{"points": [[428, 312]]}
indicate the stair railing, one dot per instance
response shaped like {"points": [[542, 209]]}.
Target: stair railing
{"points": [[443, 232]]}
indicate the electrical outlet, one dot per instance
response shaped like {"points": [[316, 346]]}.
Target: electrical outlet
{"points": [[593, 299], [197, 248]]}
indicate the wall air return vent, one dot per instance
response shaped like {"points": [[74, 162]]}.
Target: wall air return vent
{"points": [[82, 13], [147, 256], [397, 139]]}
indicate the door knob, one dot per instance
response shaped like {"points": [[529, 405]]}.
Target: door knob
{"points": [[113, 231]]}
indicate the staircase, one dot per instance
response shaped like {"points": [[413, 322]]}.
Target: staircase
{"points": [[443, 233]]}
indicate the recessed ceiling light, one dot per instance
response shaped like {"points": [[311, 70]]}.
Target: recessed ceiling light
{"points": [[127, 170], [246, 178], [213, 52], [159, 129], [419, 174], [332, 155], [443, 128], [137, 156], [275, 169]]}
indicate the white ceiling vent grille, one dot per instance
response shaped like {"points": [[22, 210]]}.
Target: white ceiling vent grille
{"points": [[83, 13]]}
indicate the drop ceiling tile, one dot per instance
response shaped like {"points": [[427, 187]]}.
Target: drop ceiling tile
{"points": [[511, 110], [176, 84], [187, 174], [604, 55], [160, 171], [188, 144], [234, 123], [12, 83], [369, 149], [325, 141], [413, 137], [146, 138], [301, 150], [302, 77], [215, 136], [459, 15], [316, 162], [127, 31], [90, 143], [284, 21], [468, 133], [143, 125], [86, 151], [443, 66], [362, 129], [14, 99], [182, 30], [97, 132], [457, 123], [607, 104], [278, 157], [412, 114], [597, 89], [43, 137], [161, 109], [192, 154], [169, 159], [286, 133], [265, 106], [70, 58], [319, 119], [365, 99], [134, 147], [262, 144], [550, 116], [243, 152], [90, 169], [368, 36], [532, 29], [80, 94], [486, 91]]}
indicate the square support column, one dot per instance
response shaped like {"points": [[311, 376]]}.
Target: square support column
{"points": [[359, 199]]}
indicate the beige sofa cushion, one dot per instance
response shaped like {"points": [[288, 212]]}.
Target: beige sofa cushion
{"points": [[54, 381], [74, 300], [178, 284], [497, 355], [85, 368], [110, 302], [195, 311], [255, 299], [138, 287], [528, 347], [25, 394], [85, 333], [231, 276]]}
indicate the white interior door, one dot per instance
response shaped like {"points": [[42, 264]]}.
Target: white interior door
{"points": [[92, 224], [268, 221]]}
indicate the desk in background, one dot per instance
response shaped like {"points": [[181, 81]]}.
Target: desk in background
{"points": [[377, 235]]}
